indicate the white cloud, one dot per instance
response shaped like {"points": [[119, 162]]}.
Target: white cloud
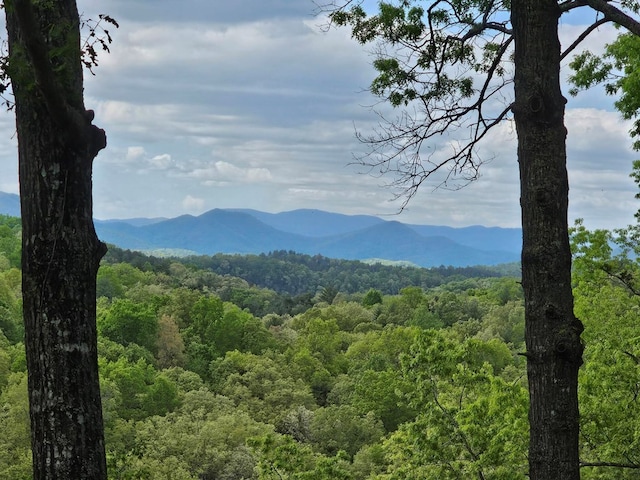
{"points": [[161, 162], [193, 204], [221, 173], [135, 153]]}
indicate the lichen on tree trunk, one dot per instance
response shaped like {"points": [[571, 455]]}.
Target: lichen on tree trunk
{"points": [[554, 348], [60, 250]]}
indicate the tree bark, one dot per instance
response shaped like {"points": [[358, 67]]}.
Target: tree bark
{"points": [[554, 348], [60, 250]]}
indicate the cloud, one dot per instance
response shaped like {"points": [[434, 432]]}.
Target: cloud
{"points": [[221, 173], [251, 105], [161, 162], [193, 204], [135, 153]]}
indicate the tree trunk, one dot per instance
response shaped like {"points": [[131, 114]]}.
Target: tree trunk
{"points": [[554, 349], [60, 249]]}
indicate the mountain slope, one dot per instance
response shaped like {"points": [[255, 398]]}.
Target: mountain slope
{"points": [[212, 232], [9, 204], [350, 237], [395, 241], [314, 223], [235, 231], [483, 238]]}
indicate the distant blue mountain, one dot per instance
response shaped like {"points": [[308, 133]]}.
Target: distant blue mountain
{"points": [[483, 238], [358, 237], [314, 223], [351, 237], [9, 204], [317, 223], [136, 222]]}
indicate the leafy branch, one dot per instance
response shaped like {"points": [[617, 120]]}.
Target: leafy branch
{"points": [[448, 66], [97, 36]]}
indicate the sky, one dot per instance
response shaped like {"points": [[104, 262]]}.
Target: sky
{"points": [[253, 104]]}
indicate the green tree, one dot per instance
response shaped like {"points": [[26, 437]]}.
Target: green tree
{"points": [[206, 436], [10, 305], [338, 428], [114, 280], [471, 423], [15, 447], [206, 313], [141, 391], [283, 458], [127, 322], [372, 297], [324, 340], [444, 63], [10, 241], [607, 301], [263, 386], [57, 144]]}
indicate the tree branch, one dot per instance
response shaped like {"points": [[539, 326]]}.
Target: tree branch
{"points": [[582, 36], [615, 15], [571, 4], [610, 464]]}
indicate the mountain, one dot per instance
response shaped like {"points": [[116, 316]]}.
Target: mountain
{"points": [[317, 223], [358, 237], [136, 222], [483, 238], [314, 223], [212, 232], [350, 237], [9, 204], [398, 242]]}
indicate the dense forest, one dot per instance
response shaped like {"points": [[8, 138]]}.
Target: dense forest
{"points": [[286, 366]]}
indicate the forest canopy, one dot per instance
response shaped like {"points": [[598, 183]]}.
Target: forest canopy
{"points": [[206, 375]]}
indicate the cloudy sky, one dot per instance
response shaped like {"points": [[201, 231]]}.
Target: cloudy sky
{"points": [[251, 104]]}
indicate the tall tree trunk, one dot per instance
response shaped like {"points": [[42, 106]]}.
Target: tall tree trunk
{"points": [[60, 250], [554, 349]]}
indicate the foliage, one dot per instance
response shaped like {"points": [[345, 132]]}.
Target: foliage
{"points": [[471, 422], [10, 248], [445, 64], [427, 383], [127, 322], [605, 280], [295, 274], [15, 446], [617, 70]]}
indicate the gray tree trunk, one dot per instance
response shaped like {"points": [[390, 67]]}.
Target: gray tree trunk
{"points": [[554, 349], [60, 250]]}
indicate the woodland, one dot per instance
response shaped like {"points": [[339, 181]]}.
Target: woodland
{"points": [[207, 375]]}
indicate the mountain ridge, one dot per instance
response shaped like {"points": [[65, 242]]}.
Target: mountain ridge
{"points": [[312, 232]]}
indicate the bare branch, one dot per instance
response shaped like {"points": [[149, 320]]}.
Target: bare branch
{"points": [[582, 36], [434, 74]]}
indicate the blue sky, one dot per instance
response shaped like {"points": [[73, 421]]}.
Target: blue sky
{"points": [[251, 104]]}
